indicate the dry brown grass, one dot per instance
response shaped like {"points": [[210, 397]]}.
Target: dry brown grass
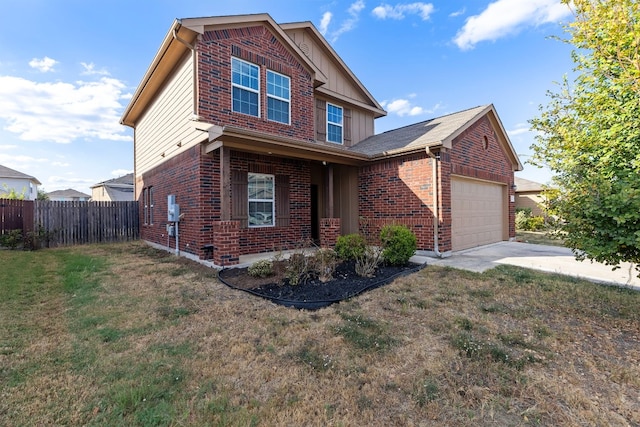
{"points": [[508, 347]]}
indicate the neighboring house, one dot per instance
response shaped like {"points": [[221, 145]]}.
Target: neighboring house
{"points": [[68, 195], [20, 182], [114, 190], [266, 139], [529, 195]]}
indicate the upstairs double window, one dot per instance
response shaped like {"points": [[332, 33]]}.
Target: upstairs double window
{"points": [[245, 83]]}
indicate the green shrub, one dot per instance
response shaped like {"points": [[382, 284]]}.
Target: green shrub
{"points": [[522, 219], [398, 243], [350, 246], [12, 239], [262, 268], [536, 223], [526, 222]]}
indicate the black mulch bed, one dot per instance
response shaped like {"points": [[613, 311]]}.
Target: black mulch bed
{"points": [[314, 294]]}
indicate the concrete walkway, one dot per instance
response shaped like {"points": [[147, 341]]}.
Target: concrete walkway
{"points": [[551, 259]]}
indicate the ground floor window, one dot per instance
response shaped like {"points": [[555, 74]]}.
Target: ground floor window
{"points": [[147, 201], [261, 192]]}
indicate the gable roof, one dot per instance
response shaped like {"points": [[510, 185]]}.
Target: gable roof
{"points": [[68, 194], [436, 132], [6, 172], [374, 106], [524, 185], [181, 37], [124, 181]]}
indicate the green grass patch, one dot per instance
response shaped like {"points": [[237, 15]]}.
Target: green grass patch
{"points": [[365, 333]]}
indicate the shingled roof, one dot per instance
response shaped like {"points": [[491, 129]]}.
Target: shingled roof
{"points": [[6, 172], [525, 185], [429, 133]]}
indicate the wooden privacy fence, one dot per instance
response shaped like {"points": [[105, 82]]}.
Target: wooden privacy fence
{"points": [[16, 214], [72, 223]]}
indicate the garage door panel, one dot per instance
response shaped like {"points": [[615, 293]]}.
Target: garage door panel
{"points": [[478, 213]]}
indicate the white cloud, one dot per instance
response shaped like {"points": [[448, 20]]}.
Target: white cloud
{"points": [[90, 70], [399, 11], [505, 17], [121, 172], [8, 147], [60, 164], [519, 129], [44, 65], [350, 23], [458, 12], [62, 112], [55, 182], [23, 163], [324, 22], [404, 107]]}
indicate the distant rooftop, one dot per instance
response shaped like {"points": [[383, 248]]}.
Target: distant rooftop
{"points": [[6, 172], [524, 185], [69, 193], [126, 180]]}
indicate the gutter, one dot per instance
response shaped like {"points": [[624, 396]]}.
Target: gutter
{"points": [[434, 167]]}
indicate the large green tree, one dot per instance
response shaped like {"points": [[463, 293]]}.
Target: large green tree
{"points": [[589, 133]]}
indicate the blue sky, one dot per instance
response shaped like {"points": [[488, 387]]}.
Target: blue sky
{"points": [[69, 67]]}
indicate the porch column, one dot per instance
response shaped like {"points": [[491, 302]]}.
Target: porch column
{"points": [[226, 246], [225, 183], [329, 213], [329, 232]]}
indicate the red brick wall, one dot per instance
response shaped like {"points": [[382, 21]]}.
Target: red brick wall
{"points": [[470, 158], [195, 180], [265, 239], [397, 191], [260, 47], [226, 246], [190, 177], [329, 232]]}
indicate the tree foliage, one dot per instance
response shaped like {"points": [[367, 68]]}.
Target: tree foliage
{"points": [[11, 193], [589, 133]]}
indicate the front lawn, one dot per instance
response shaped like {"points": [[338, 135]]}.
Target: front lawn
{"points": [[127, 335]]}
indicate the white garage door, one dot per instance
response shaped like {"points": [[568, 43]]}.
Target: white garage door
{"points": [[477, 212]]}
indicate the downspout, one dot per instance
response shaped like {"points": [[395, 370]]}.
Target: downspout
{"points": [[195, 72], [434, 168]]}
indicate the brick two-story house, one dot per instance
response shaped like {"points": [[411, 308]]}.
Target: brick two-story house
{"points": [[266, 139]]}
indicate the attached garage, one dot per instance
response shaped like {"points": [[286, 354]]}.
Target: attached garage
{"points": [[479, 214]]}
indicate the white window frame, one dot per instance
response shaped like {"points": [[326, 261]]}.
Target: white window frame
{"points": [[242, 87], [287, 100], [340, 125], [272, 200]]}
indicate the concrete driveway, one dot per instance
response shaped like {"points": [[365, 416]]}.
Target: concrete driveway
{"points": [[552, 259]]}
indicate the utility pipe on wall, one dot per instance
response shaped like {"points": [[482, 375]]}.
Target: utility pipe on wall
{"points": [[434, 183]]}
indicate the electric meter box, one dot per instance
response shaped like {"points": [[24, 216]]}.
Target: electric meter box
{"points": [[173, 209]]}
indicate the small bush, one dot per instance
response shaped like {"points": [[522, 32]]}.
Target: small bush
{"points": [[299, 268], [12, 239], [350, 246], [399, 244], [325, 262], [262, 268], [368, 262], [526, 222]]}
